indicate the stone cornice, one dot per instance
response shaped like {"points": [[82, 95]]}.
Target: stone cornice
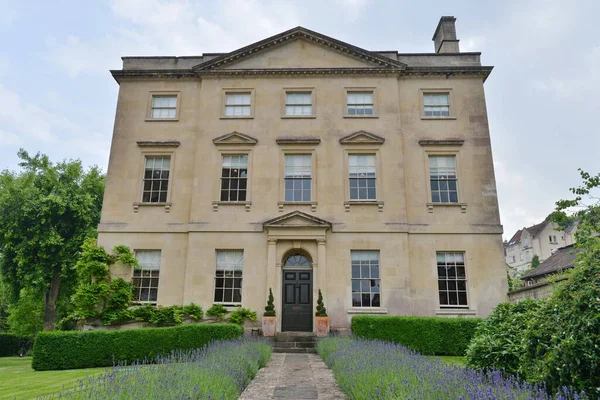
{"points": [[441, 142], [297, 140], [448, 71], [158, 143], [120, 74], [162, 74]]}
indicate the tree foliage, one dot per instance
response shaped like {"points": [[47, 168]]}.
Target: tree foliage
{"points": [[497, 343], [535, 261], [97, 295], [46, 212]]}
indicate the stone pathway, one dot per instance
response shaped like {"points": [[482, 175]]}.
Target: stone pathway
{"points": [[294, 377]]}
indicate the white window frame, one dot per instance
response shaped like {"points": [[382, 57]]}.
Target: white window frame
{"points": [[150, 106], [236, 91], [239, 178], [357, 167], [361, 90], [146, 156], [300, 90], [234, 277], [451, 104], [293, 178], [369, 280], [448, 191], [456, 280], [152, 274]]}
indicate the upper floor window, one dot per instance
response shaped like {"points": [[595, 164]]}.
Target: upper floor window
{"points": [[298, 104], [164, 107], [442, 176], [238, 104], [228, 276], [234, 177], [452, 279], [553, 239], [156, 179], [362, 176], [145, 278], [436, 104], [298, 177], [360, 103], [366, 289]]}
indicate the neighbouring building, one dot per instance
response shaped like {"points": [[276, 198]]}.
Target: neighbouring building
{"points": [[539, 282], [300, 163], [542, 239]]}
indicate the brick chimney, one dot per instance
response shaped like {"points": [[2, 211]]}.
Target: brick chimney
{"points": [[444, 38]]}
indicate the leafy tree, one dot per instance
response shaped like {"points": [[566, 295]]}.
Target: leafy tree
{"points": [[46, 212], [535, 261], [26, 316], [4, 303]]}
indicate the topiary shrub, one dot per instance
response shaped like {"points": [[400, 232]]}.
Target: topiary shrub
{"points": [[270, 308], [562, 344], [497, 343], [427, 335], [76, 349], [242, 314], [321, 310], [217, 310]]}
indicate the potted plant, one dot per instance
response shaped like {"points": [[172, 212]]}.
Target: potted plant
{"points": [[321, 318], [269, 320]]}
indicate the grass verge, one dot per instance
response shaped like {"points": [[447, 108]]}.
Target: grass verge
{"points": [[18, 380]]}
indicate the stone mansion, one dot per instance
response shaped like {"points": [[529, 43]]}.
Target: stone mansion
{"points": [[300, 163]]}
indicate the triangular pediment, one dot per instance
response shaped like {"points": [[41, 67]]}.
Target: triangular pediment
{"points": [[300, 48], [362, 137], [235, 138], [297, 219]]}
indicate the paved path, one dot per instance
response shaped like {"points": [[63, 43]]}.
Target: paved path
{"points": [[294, 377]]}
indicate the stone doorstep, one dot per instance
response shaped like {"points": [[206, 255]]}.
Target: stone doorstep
{"points": [[294, 350], [299, 345]]}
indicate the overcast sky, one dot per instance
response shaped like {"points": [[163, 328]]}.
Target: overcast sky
{"points": [[57, 96]]}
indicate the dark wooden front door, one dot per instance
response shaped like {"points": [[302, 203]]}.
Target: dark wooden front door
{"points": [[297, 301]]}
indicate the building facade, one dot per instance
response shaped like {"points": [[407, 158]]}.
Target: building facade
{"points": [[542, 239], [301, 163]]}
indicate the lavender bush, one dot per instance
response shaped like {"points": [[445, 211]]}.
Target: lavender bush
{"points": [[221, 370], [369, 369]]}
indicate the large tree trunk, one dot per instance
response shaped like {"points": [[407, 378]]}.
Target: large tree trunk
{"points": [[50, 302]]}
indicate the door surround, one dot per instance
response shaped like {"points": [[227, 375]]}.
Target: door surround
{"points": [[296, 231], [296, 291]]}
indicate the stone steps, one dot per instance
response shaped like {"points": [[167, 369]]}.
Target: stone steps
{"points": [[294, 342]]}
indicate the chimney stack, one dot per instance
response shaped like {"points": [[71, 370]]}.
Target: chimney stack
{"points": [[444, 38]]}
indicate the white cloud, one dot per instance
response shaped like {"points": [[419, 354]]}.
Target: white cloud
{"points": [[25, 124], [173, 28], [353, 10]]}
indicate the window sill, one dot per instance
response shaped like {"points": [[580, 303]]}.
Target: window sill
{"points": [[367, 310], [298, 116], [463, 206], [162, 119], [166, 205], [349, 203], [312, 204], [241, 117], [216, 204], [438, 118], [361, 116], [455, 311]]}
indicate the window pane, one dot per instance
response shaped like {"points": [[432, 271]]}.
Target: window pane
{"points": [[452, 283]]}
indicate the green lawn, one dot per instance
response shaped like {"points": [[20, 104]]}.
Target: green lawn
{"points": [[453, 360], [18, 380]]}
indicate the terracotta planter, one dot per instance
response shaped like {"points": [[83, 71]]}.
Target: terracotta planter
{"points": [[269, 325], [322, 326]]}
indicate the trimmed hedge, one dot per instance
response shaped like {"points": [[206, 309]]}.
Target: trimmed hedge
{"points": [[10, 344], [71, 350], [427, 335]]}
